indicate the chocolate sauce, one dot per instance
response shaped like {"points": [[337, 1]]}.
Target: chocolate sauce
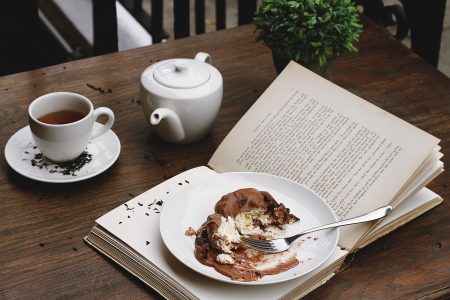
{"points": [[246, 259]]}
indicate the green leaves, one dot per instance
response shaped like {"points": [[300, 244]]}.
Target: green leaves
{"points": [[308, 31]]}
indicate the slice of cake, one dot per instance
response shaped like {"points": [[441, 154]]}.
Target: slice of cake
{"points": [[242, 212]]}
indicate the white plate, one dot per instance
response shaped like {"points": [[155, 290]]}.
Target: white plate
{"points": [[20, 150], [192, 205]]}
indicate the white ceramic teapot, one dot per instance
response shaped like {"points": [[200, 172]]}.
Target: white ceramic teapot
{"points": [[181, 97]]}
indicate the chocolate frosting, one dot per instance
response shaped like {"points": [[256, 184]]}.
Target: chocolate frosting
{"points": [[245, 200], [212, 224]]}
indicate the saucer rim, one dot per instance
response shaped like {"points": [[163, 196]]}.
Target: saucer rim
{"points": [[12, 165]]}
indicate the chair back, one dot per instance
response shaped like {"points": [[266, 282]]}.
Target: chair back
{"points": [[182, 13], [181, 9]]}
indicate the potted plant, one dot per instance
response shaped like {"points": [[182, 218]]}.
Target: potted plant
{"points": [[310, 32]]}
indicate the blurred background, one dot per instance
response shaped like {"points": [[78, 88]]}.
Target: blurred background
{"points": [[38, 33]]}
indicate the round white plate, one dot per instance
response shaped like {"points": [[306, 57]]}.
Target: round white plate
{"points": [[20, 150], [192, 205]]}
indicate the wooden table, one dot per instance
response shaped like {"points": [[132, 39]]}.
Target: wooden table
{"points": [[42, 253]]}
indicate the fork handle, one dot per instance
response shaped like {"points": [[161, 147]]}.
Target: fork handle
{"points": [[373, 215]]}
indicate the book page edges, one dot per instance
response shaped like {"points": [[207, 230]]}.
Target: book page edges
{"points": [[169, 288], [131, 266], [427, 171], [318, 280], [373, 236], [352, 236], [411, 208]]}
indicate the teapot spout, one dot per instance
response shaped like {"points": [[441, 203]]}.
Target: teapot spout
{"points": [[168, 125]]}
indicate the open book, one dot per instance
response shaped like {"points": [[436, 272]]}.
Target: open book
{"points": [[354, 155]]}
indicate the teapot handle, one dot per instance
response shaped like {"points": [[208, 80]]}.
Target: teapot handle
{"points": [[203, 57]]}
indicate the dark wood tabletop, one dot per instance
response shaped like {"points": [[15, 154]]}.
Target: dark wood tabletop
{"points": [[42, 225]]}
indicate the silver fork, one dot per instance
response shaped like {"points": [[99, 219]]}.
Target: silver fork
{"points": [[281, 244]]}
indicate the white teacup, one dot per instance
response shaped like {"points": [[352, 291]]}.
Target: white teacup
{"points": [[58, 132]]}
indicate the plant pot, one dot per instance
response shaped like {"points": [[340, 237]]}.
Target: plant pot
{"points": [[280, 62], [325, 71]]}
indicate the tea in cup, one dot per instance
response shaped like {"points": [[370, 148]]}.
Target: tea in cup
{"points": [[62, 123]]}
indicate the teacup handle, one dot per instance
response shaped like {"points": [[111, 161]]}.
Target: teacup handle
{"points": [[102, 111], [203, 57]]}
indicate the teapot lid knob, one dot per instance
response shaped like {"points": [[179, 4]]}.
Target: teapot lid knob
{"points": [[181, 65]]}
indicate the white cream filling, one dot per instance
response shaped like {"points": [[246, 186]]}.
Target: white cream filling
{"points": [[244, 221], [227, 234], [225, 259]]}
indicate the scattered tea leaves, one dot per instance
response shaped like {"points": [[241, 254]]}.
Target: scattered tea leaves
{"points": [[99, 89], [64, 168]]}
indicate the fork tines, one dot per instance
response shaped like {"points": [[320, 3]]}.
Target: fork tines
{"points": [[271, 246]]}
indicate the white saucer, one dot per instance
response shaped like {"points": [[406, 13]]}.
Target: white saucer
{"points": [[20, 151]]}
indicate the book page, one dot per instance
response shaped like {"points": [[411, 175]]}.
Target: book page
{"points": [[132, 221], [351, 153]]}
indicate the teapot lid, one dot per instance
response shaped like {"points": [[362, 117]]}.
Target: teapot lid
{"points": [[182, 74]]}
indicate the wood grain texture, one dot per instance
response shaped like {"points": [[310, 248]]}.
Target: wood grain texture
{"points": [[42, 253]]}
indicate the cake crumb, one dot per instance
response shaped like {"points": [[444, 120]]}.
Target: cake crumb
{"points": [[190, 232]]}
